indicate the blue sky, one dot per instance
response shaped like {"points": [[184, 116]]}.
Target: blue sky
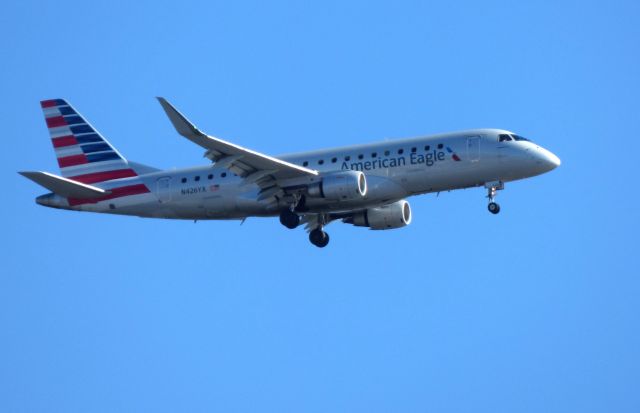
{"points": [[531, 310]]}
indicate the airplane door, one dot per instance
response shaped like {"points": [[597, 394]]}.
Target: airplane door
{"points": [[163, 189], [473, 148]]}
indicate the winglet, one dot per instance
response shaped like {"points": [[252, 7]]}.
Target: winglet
{"points": [[65, 187], [179, 121]]}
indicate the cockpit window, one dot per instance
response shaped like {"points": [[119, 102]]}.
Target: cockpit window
{"points": [[504, 138], [520, 138]]}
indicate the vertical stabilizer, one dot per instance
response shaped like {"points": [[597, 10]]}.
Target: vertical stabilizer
{"points": [[83, 154]]}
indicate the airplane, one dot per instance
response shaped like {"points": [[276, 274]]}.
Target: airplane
{"points": [[364, 185]]}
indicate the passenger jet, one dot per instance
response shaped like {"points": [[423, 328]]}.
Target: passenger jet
{"points": [[364, 185]]}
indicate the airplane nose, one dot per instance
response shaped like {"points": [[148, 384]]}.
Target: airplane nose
{"points": [[554, 160], [547, 160]]}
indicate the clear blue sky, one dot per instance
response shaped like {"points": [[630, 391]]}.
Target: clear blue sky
{"points": [[533, 310]]}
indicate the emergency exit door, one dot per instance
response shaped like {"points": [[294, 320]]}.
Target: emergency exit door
{"points": [[163, 189]]}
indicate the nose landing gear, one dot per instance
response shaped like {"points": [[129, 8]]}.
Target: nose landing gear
{"points": [[492, 189]]}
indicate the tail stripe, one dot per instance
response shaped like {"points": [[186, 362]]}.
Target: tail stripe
{"points": [[95, 147], [85, 156], [95, 150], [63, 141], [72, 160], [91, 137], [81, 129], [81, 151], [68, 151], [52, 102], [55, 122], [66, 110], [102, 156], [104, 176], [93, 168]]}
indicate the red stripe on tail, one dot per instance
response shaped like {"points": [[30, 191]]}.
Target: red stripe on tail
{"points": [[72, 160], [48, 103], [56, 121], [104, 176], [64, 141]]}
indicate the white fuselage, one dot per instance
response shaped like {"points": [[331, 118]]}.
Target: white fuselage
{"points": [[394, 170]]}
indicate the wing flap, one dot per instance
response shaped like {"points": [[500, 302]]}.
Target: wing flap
{"points": [[64, 187]]}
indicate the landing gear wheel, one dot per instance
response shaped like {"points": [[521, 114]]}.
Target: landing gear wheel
{"points": [[289, 219], [319, 238], [492, 189]]}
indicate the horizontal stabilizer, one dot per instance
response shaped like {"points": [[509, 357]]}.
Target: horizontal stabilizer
{"points": [[63, 186]]}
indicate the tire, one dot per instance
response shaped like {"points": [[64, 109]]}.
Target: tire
{"points": [[493, 208], [289, 219], [319, 238]]}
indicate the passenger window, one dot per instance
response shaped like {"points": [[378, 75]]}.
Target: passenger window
{"points": [[210, 176], [320, 162], [427, 148], [224, 174], [360, 156], [334, 160], [386, 153], [184, 180], [374, 155], [414, 149], [400, 151], [197, 178], [504, 138], [347, 158], [440, 146], [305, 163]]}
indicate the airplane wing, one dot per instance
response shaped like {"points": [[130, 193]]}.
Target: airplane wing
{"points": [[253, 166], [63, 186]]}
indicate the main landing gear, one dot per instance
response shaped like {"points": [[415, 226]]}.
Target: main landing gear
{"points": [[289, 219], [319, 238], [492, 189]]}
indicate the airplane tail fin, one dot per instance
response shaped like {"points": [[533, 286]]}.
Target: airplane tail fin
{"points": [[83, 154]]}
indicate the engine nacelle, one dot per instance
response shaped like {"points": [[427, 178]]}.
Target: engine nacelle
{"points": [[340, 186], [396, 215]]}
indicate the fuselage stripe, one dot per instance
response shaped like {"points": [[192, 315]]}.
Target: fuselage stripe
{"points": [[115, 193]]}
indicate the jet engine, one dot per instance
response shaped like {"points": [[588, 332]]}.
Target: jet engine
{"points": [[340, 186], [396, 215]]}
